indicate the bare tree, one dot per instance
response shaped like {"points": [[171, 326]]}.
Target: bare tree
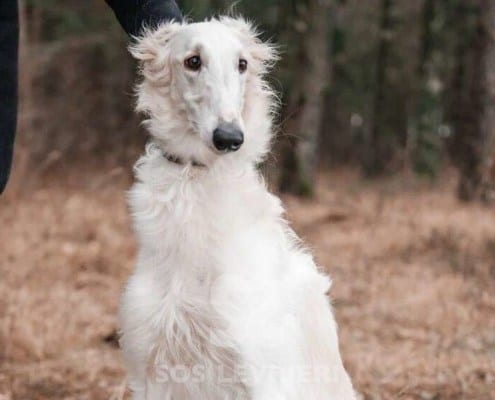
{"points": [[307, 102], [427, 17], [487, 134], [378, 151], [424, 143], [473, 106]]}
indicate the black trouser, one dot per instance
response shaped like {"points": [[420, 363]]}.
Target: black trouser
{"points": [[132, 14], [9, 38]]}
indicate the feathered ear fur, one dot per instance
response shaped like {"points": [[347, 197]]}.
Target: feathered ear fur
{"points": [[152, 50], [263, 54]]}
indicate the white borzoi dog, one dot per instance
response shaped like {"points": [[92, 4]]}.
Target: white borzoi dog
{"points": [[224, 302]]}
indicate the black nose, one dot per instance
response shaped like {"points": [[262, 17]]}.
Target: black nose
{"points": [[228, 137]]}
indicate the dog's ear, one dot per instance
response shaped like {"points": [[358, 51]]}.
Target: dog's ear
{"points": [[152, 50], [264, 54]]}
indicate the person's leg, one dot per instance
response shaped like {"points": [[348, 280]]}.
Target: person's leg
{"points": [[9, 39]]}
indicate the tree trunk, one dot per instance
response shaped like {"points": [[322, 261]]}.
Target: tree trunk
{"points": [[379, 153], [307, 103], [427, 17], [487, 134], [473, 112], [423, 137]]}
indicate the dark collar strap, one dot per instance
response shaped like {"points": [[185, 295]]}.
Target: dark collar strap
{"points": [[179, 161]]}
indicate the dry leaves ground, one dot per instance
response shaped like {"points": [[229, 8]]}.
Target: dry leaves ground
{"points": [[413, 271]]}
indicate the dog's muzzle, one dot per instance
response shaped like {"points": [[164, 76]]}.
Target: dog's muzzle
{"points": [[228, 137]]}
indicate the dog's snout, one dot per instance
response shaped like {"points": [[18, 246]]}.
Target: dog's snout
{"points": [[228, 137]]}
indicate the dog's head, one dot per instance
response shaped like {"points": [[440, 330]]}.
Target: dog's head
{"points": [[203, 89]]}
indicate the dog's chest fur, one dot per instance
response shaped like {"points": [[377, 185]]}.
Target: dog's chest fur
{"points": [[210, 270], [220, 283]]}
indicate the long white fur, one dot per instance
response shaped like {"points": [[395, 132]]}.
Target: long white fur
{"points": [[224, 302]]}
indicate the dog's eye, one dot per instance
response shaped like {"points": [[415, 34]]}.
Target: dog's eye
{"points": [[193, 63], [242, 65]]}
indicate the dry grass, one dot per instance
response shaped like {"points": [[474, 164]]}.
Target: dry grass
{"points": [[414, 288]]}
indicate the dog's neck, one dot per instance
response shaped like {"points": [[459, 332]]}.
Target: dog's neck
{"points": [[181, 168], [173, 158]]}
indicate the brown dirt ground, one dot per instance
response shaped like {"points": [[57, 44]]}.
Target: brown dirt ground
{"points": [[413, 272]]}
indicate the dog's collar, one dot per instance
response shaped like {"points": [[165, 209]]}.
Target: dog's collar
{"points": [[179, 161]]}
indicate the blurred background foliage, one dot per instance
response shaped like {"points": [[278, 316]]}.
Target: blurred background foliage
{"points": [[390, 86]]}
